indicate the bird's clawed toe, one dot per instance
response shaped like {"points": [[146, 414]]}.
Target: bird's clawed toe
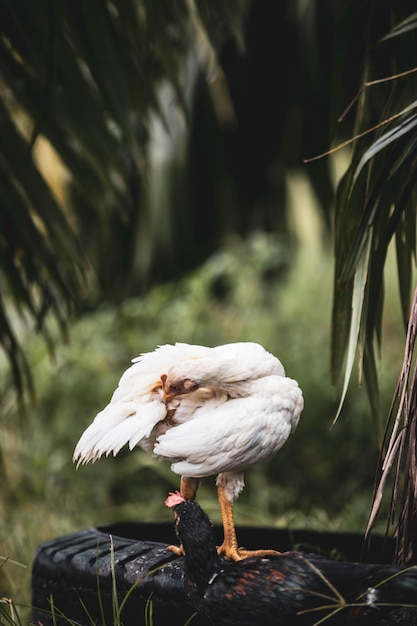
{"points": [[177, 550], [233, 553], [244, 554]]}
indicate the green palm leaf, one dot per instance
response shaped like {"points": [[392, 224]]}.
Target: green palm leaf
{"points": [[87, 77], [375, 199], [376, 205]]}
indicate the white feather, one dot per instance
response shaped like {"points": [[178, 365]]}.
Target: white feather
{"points": [[135, 408], [243, 410], [236, 435]]}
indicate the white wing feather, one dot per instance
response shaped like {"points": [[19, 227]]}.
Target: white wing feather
{"points": [[135, 407]]}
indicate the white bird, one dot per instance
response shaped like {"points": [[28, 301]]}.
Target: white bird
{"points": [[208, 411]]}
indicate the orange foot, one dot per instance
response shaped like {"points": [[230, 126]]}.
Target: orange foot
{"points": [[229, 546], [177, 550]]}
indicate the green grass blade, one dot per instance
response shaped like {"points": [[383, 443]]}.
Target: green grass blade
{"points": [[149, 611]]}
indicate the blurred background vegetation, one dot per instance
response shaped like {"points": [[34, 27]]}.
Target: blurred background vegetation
{"points": [[153, 190]]}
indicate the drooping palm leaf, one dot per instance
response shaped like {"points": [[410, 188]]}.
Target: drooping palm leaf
{"points": [[398, 455], [87, 77], [376, 203]]}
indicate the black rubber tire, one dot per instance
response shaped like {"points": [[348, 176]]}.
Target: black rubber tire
{"points": [[76, 573], [72, 576]]}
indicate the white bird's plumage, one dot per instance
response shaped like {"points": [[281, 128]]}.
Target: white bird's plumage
{"points": [[238, 408]]}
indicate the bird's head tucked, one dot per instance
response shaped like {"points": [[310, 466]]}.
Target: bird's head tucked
{"points": [[173, 386]]}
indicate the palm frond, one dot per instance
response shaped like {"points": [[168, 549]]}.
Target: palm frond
{"points": [[375, 205], [398, 455], [87, 76]]}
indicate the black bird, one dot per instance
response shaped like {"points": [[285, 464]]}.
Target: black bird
{"points": [[289, 588]]}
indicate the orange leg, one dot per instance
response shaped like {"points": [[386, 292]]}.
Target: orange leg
{"points": [[229, 546], [188, 487]]}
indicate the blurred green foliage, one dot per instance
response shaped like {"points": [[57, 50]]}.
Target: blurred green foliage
{"points": [[260, 289]]}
